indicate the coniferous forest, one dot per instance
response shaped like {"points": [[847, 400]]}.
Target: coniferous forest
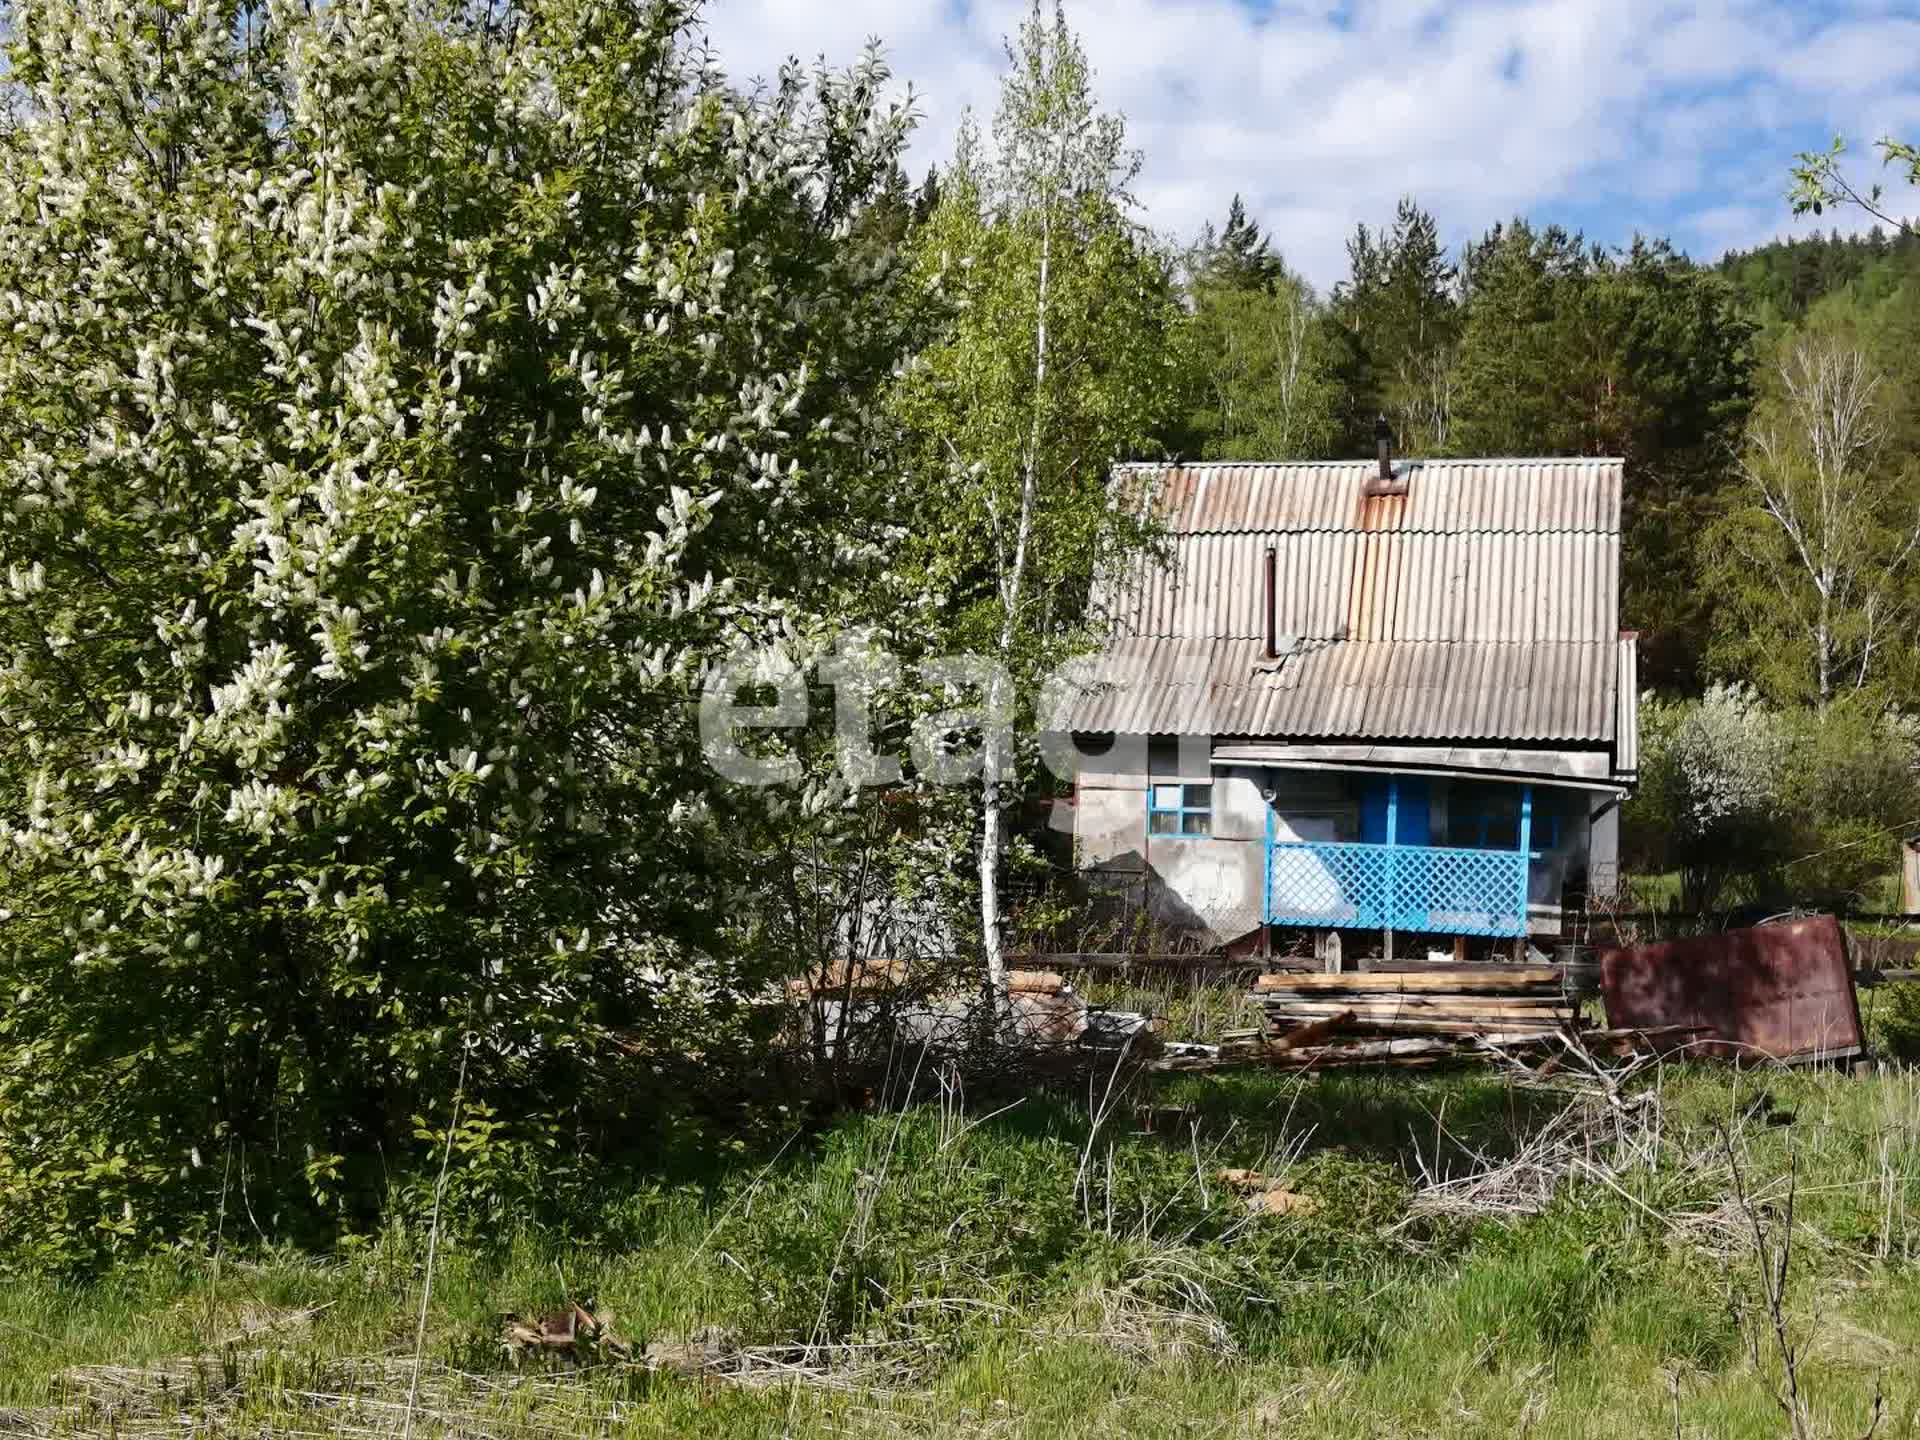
{"points": [[386, 467]]}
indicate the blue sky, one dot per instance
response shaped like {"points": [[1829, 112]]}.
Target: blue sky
{"points": [[1611, 116]]}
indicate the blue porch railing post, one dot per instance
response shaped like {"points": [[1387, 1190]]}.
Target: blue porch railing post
{"points": [[1526, 856], [1392, 896], [1266, 878]]}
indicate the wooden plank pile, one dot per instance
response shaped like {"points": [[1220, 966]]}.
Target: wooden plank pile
{"points": [[1412, 1017], [1450, 1000]]}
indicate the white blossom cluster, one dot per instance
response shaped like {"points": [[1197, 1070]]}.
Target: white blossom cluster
{"points": [[399, 406], [1731, 751]]}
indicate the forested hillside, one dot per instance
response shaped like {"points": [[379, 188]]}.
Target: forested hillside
{"points": [[1532, 340], [1782, 281]]}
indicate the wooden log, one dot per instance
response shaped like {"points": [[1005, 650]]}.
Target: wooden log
{"points": [[1424, 1024], [1400, 1054], [1518, 1039], [1468, 1006], [1285, 1024], [863, 977], [1280, 995], [1321, 1061], [1381, 1049], [1035, 982], [1314, 1031], [1478, 1004], [1510, 979], [1488, 1015], [1491, 1025], [1475, 967]]}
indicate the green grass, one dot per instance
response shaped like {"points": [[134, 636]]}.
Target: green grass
{"points": [[1028, 1273], [1195, 1006]]}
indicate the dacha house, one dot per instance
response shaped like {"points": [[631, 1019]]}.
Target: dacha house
{"points": [[1387, 697]]}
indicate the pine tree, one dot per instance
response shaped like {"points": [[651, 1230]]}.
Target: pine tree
{"points": [[1400, 306], [1506, 401], [1568, 350], [1239, 258], [927, 198]]}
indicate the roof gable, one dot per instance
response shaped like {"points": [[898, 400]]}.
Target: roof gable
{"points": [[1511, 551], [1482, 604]]}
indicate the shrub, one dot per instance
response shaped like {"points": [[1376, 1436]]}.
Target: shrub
{"points": [[1894, 1022], [1746, 801], [396, 403], [1710, 803]]}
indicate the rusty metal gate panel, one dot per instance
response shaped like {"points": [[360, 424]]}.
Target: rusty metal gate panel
{"points": [[1780, 992]]}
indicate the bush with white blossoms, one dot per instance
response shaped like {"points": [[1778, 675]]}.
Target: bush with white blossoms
{"points": [[1710, 804], [401, 403], [1744, 800]]}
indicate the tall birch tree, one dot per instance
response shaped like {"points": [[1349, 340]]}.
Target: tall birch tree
{"points": [[1056, 361], [1825, 544]]}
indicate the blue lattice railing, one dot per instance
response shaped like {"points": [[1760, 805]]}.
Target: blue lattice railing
{"points": [[1397, 887]]}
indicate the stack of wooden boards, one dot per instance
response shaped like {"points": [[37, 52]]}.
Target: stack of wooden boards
{"points": [[1445, 1008]]}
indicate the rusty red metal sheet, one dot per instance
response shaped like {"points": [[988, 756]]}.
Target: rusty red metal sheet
{"points": [[1780, 992]]}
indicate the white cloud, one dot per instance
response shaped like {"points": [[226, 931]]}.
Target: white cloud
{"points": [[1596, 115]]}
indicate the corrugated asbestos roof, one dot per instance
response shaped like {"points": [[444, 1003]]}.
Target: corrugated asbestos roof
{"points": [[1383, 690], [1449, 496], [1483, 604], [1500, 586]]}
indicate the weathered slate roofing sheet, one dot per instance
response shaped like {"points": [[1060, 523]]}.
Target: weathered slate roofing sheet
{"points": [[1531, 496], [1383, 690], [1481, 604]]}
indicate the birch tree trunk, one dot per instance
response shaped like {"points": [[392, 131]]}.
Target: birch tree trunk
{"points": [[1013, 582], [1823, 648], [1061, 317], [1813, 462]]}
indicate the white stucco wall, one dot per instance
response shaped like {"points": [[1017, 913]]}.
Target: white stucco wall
{"points": [[1208, 886]]}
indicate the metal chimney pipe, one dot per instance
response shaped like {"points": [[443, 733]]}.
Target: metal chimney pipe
{"points": [[1273, 639], [1383, 436]]}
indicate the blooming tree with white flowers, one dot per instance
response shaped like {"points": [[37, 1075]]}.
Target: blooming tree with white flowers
{"points": [[401, 404]]}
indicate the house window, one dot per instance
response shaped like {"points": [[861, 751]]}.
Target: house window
{"points": [[1180, 810], [1486, 816]]}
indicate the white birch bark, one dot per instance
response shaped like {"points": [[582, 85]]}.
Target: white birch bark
{"points": [[1813, 467]]}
